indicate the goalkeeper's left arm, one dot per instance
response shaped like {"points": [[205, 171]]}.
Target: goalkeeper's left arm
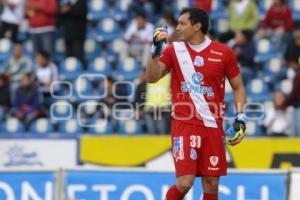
{"points": [[237, 131]]}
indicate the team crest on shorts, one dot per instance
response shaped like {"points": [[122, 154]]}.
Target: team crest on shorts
{"points": [[193, 154], [214, 160], [178, 152], [199, 61]]}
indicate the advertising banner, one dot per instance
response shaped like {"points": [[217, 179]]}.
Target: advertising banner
{"points": [[34, 152], [27, 185], [154, 152], [108, 185], [295, 185]]}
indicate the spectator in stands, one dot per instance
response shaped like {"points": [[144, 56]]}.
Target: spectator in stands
{"points": [[46, 73], [27, 105], [74, 23], [292, 53], [277, 22], [139, 37], [244, 49], [293, 99], [203, 4], [16, 67], [12, 15], [140, 95], [116, 101], [243, 15], [42, 22], [4, 96], [278, 120], [157, 109]]}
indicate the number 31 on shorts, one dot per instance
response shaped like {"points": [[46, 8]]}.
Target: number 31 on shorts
{"points": [[195, 141]]}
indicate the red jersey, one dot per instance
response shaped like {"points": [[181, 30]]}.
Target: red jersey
{"points": [[198, 81]]}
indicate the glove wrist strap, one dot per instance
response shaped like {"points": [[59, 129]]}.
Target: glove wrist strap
{"points": [[241, 117]]}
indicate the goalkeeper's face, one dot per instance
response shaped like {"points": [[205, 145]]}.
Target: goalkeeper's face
{"points": [[185, 29]]}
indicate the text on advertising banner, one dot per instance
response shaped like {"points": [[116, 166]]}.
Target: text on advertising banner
{"points": [[98, 185], [27, 185]]}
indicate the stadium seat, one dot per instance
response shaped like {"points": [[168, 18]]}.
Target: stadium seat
{"points": [[23, 33], [179, 4], [295, 7], [90, 31], [101, 126], [254, 129], [83, 89], [273, 70], [61, 110], [265, 50], [221, 25], [89, 107], [230, 112], [70, 126], [13, 125], [218, 11], [285, 86], [70, 69], [258, 91], [107, 30], [28, 48], [59, 50], [100, 65], [228, 92], [5, 50], [129, 127], [117, 49], [127, 69], [41, 126], [264, 5], [120, 10], [91, 49], [97, 9]]}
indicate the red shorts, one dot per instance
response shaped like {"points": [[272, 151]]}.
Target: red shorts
{"points": [[198, 150]]}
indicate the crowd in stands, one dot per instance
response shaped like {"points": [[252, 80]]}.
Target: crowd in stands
{"points": [[70, 64]]}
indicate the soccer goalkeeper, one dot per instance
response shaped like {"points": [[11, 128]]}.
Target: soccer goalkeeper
{"points": [[198, 67]]}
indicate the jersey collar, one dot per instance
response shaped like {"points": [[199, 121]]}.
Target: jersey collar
{"points": [[200, 47]]}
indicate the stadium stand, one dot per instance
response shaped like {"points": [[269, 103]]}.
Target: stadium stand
{"points": [[106, 51]]}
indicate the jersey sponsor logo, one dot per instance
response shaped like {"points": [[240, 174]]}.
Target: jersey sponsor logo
{"points": [[178, 152], [214, 160], [216, 52], [198, 61], [214, 59], [193, 154], [196, 86], [197, 78]]}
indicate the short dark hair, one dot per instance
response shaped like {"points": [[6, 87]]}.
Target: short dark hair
{"points": [[141, 14], [248, 34], [197, 15], [44, 54]]}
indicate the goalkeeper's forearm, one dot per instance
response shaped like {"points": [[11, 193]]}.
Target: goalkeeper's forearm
{"points": [[240, 99], [239, 92], [155, 70]]}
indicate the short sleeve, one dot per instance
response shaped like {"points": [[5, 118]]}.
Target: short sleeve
{"points": [[166, 56], [231, 65]]}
